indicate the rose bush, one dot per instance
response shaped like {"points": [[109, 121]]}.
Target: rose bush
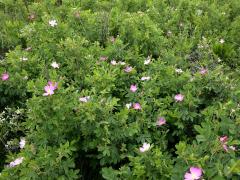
{"points": [[120, 89]]}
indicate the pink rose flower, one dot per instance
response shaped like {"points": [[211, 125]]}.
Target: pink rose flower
{"points": [[203, 71], [48, 91], [5, 76], [178, 97], [194, 174], [50, 88], [128, 69], [223, 139], [133, 88], [161, 121], [137, 106]]}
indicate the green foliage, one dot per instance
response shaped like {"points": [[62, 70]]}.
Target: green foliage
{"points": [[194, 51]]}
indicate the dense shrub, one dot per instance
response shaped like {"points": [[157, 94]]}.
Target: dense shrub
{"points": [[119, 89]]}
